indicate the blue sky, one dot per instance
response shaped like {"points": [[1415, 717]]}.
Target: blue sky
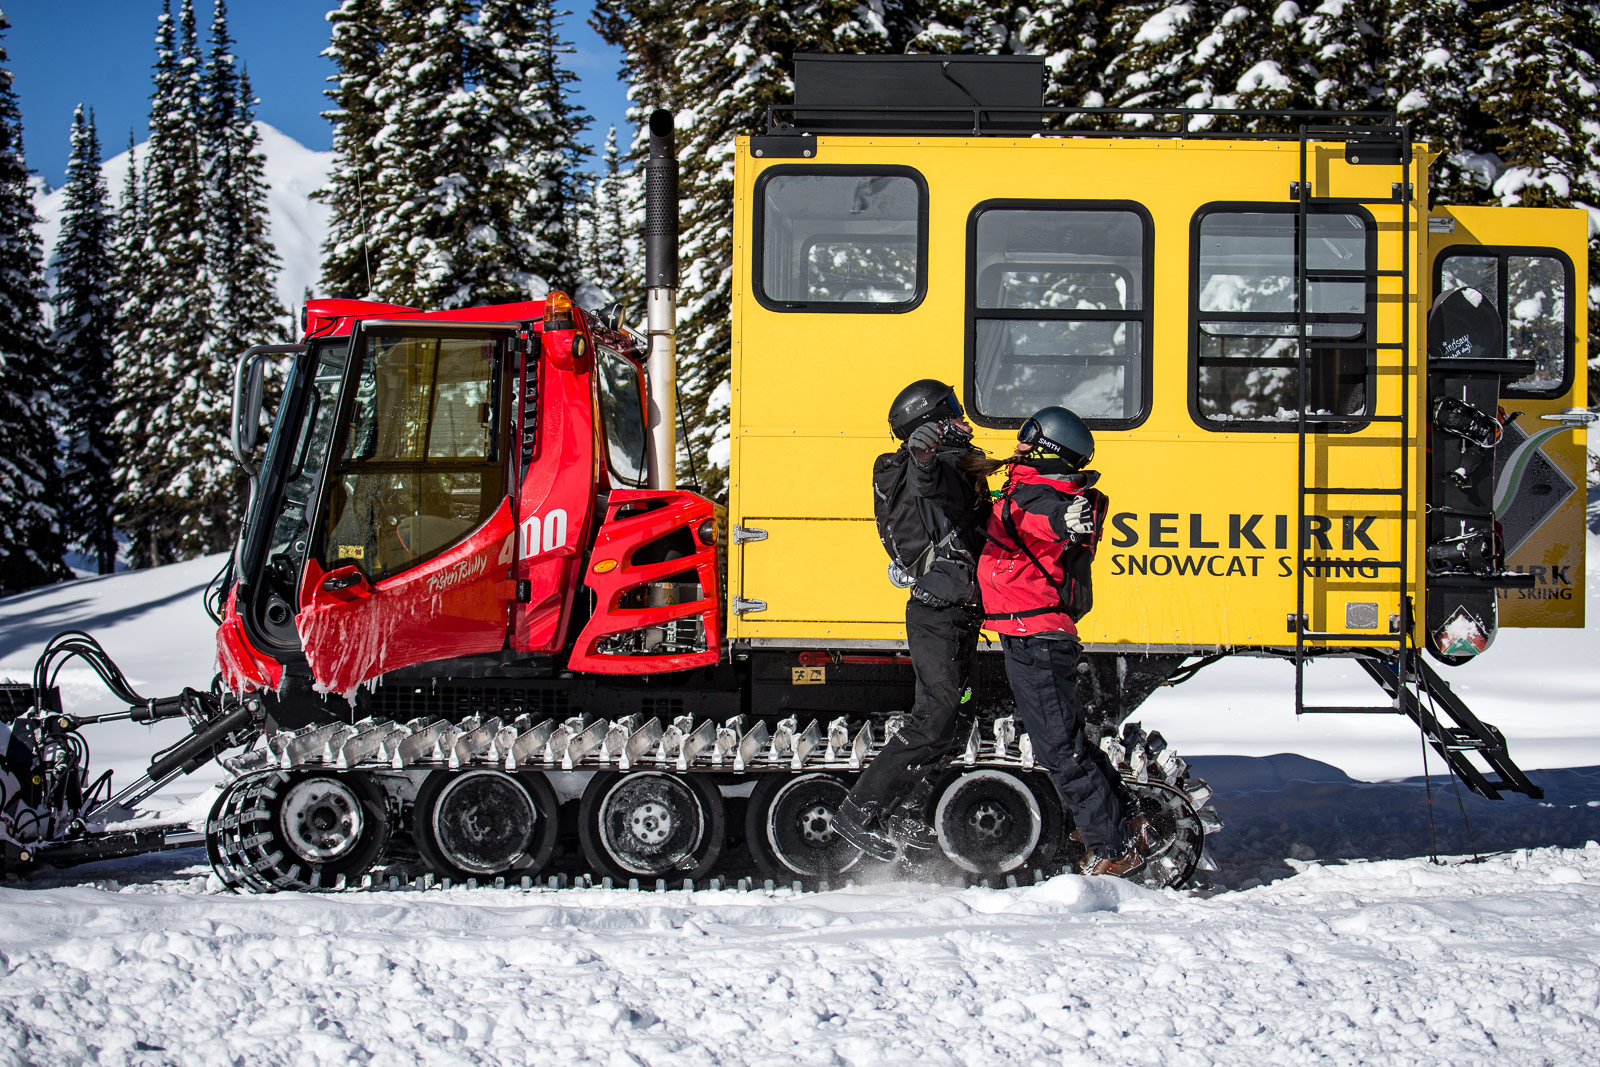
{"points": [[99, 53]]}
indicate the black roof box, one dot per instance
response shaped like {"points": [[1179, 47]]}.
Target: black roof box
{"points": [[915, 94]]}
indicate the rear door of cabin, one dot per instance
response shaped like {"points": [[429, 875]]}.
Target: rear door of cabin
{"points": [[1532, 263]]}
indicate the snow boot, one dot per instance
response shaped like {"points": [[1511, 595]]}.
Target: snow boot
{"points": [[861, 828], [1130, 862], [911, 832]]}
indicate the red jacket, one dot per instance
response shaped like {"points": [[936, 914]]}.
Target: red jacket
{"points": [[1010, 581]]}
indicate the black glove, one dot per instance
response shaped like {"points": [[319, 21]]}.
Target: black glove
{"points": [[923, 443]]}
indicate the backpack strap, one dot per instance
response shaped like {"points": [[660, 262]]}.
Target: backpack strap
{"points": [[1021, 543]]}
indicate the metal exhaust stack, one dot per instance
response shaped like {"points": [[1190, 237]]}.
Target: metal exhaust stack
{"points": [[661, 307]]}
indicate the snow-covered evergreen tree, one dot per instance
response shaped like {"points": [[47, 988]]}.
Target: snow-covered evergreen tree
{"points": [[1344, 44], [30, 538], [718, 68], [1540, 94], [470, 157], [177, 481], [85, 326], [350, 262], [1151, 57], [532, 128], [1431, 66], [618, 258], [242, 262], [1073, 38]]}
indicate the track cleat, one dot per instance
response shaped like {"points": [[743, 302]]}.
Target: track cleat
{"points": [[860, 828]]}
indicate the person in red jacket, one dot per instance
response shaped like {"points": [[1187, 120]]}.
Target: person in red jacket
{"points": [[1034, 575]]}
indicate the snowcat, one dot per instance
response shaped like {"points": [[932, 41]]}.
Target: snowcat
{"points": [[474, 631]]}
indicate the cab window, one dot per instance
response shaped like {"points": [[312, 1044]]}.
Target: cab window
{"points": [[1058, 311], [419, 468], [622, 416], [1245, 347], [840, 239], [1531, 288]]}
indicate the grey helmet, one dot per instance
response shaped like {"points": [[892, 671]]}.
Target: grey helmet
{"points": [[1059, 442]]}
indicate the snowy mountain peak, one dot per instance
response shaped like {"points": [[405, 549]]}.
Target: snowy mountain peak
{"points": [[297, 223]]}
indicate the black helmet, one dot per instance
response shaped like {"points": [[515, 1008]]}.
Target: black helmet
{"points": [[1061, 443], [925, 401]]}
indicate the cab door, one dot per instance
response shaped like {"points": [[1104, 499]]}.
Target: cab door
{"points": [[1532, 263], [412, 547]]}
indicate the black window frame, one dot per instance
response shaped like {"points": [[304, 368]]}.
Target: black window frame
{"points": [[1145, 316], [1569, 278], [501, 411], [758, 240], [603, 422], [1369, 320]]}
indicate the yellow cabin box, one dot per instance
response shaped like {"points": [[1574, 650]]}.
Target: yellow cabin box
{"points": [[1159, 286]]}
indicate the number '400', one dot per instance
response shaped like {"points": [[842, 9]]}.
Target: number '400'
{"points": [[543, 535]]}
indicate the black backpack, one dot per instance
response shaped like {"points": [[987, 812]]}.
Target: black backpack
{"points": [[900, 524], [1077, 559]]}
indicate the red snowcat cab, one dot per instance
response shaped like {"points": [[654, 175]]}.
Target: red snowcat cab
{"points": [[464, 485]]}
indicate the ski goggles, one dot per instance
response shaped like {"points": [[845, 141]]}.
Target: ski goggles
{"points": [[1032, 434], [949, 407]]}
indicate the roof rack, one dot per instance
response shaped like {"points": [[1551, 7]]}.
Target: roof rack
{"points": [[1035, 121]]}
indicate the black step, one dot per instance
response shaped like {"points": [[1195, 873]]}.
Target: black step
{"points": [[1354, 637], [1353, 709]]}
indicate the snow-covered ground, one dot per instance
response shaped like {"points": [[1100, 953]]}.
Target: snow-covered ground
{"points": [[1291, 955]]}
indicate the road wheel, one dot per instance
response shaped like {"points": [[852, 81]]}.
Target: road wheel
{"points": [[484, 823], [990, 822], [789, 827], [650, 824]]}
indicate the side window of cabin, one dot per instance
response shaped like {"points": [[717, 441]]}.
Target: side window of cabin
{"points": [[1245, 316], [622, 416], [841, 239], [1058, 311], [1531, 288], [419, 469]]}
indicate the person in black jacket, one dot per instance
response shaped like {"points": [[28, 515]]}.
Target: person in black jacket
{"points": [[933, 503]]}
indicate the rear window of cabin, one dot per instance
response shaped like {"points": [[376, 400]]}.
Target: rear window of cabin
{"points": [[841, 239]]}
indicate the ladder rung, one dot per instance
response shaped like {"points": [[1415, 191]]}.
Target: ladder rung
{"points": [[1353, 418], [1338, 709], [1316, 635], [1335, 274], [1354, 200], [1329, 490], [1332, 342]]}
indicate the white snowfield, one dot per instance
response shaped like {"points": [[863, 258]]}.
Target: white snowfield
{"points": [[1393, 962], [1387, 959]]}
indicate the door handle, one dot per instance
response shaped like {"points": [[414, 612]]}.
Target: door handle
{"points": [[347, 583]]}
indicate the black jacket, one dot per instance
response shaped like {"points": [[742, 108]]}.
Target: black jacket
{"points": [[951, 502]]}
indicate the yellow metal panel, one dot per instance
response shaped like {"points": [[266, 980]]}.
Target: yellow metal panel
{"points": [[1202, 547]]}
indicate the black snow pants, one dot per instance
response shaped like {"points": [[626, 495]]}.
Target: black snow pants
{"points": [[942, 641], [1043, 672]]}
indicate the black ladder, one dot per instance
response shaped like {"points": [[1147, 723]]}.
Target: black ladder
{"points": [[1454, 732], [1391, 145], [1472, 748]]}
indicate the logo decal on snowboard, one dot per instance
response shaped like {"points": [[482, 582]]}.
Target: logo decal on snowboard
{"points": [[1461, 635]]}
